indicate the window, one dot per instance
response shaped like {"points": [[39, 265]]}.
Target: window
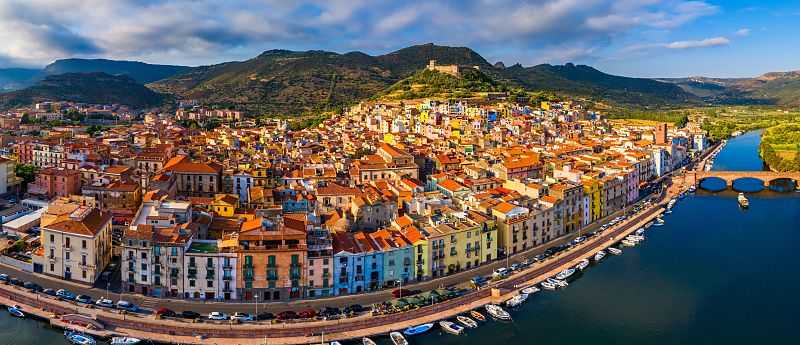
{"points": [[83, 244], [66, 256], [66, 243], [144, 255], [210, 283], [52, 267], [191, 283], [52, 238], [144, 277]]}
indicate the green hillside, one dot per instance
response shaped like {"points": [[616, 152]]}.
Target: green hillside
{"points": [[426, 83]]}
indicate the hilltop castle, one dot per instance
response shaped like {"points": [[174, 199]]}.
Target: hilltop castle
{"points": [[454, 70]]}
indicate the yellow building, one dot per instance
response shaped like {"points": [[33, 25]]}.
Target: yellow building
{"points": [[592, 189], [225, 205]]}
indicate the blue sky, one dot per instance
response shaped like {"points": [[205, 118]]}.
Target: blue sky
{"points": [[648, 38]]}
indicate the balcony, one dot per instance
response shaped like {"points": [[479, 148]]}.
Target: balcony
{"points": [[210, 274], [192, 273], [227, 277], [227, 265], [67, 248]]}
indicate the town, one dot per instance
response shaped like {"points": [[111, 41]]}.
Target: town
{"points": [[379, 197]]}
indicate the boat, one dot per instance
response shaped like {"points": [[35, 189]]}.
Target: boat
{"points": [[451, 327], [516, 300], [649, 224], [497, 312], [565, 274], [557, 282], [16, 310], [530, 290], [659, 222], [83, 339], [692, 189], [414, 330], [398, 339], [614, 251], [477, 315], [583, 264], [466, 321], [367, 341], [125, 341], [639, 231], [599, 256], [335, 343], [548, 285], [743, 202], [628, 243]]}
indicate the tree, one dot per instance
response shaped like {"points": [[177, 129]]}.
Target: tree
{"points": [[26, 172], [94, 130]]}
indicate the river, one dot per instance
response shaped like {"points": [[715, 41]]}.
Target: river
{"points": [[714, 274]]}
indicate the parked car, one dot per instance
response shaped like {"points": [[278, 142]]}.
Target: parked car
{"points": [[330, 312], [397, 293], [265, 316], [354, 309], [49, 292], [516, 266], [4, 278], [32, 286], [15, 281], [501, 272], [307, 314], [84, 299], [127, 306], [188, 314], [165, 312], [478, 280], [217, 316], [237, 316], [287, 315], [65, 294], [104, 302]]}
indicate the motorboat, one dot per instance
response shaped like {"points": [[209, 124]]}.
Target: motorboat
{"points": [[649, 224], [639, 231], [398, 339], [557, 282], [497, 312], [467, 321], [530, 290], [451, 327], [78, 338], [565, 274], [628, 243], [599, 256], [414, 330], [335, 343], [582, 265], [477, 315], [367, 341], [743, 201], [637, 238], [548, 285], [516, 300], [125, 341], [16, 310], [615, 251], [692, 189]]}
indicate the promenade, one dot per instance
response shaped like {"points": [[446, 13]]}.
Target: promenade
{"points": [[176, 331]]}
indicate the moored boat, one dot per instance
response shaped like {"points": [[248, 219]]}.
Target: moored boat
{"points": [[82, 339], [451, 327], [583, 264], [398, 339], [565, 274], [548, 285], [125, 341], [367, 341], [466, 321], [516, 300], [418, 329], [16, 310], [614, 251], [497, 312], [530, 290], [639, 231], [628, 243], [477, 315], [743, 201], [599, 256]]}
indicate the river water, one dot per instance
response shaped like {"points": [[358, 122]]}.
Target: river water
{"points": [[714, 274]]}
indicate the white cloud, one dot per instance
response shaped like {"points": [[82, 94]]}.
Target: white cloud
{"points": [[743, 32], [708, 42]]}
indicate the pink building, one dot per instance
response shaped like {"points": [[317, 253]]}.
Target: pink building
{"points": [[55, 182]]}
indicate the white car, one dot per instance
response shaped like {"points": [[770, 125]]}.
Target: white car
{"points": [[217, 316], [104, 302], [241, 317], [501, 272]]}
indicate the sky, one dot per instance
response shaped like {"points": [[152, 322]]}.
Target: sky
{"points": [[643, 38]]}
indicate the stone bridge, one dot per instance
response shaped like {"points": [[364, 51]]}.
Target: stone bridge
{"points": [[730, 176]]}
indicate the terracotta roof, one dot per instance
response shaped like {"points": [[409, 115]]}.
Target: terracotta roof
{"points": [[90, 225]]}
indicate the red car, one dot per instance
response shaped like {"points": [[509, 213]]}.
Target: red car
{"points": [[307, 314], [287, 315], [165, 312], [397, 293]]}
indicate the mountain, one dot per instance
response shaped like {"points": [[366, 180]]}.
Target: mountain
{"points": [[141, 72], [17, 78], [426, 83], [775, 88], [290, 82], [95, 88]]}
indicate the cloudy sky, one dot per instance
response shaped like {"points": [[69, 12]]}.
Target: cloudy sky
{"points": [[646, 38]]}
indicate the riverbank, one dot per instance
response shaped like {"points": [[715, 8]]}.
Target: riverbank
{"points": [[168, 331]]}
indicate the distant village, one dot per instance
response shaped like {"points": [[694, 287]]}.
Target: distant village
{"points": [[380, 196]]}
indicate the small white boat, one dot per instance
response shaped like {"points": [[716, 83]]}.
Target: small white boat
{"points": [[451, 327], [614, 251], [477, 315], [517, 300], [466, 321], [565, 274], [125, 341], [582, 265], [497, 312], [557, 282], [637, 238], [628, 243], [418, 329], [367, 341], [659, 223], [80, 338], [649, 224], [530, 290], [639, 231], [548, 285], [599, 256], [743, 201], [16, 310], [398, 339], [335, 343]]}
